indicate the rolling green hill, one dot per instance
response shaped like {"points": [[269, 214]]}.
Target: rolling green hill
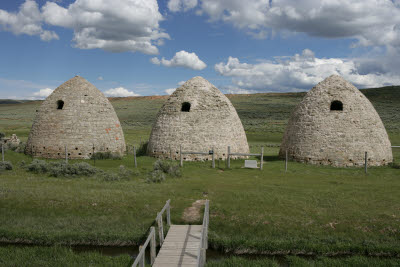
{"points": [[260, 113]]}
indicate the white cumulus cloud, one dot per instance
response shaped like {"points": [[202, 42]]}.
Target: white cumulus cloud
{"points": [[181, 59], [120, 92], [178, 5], [123, 25], [370, 22], [28, 21], [42, 93], [170, 90], [298, 72]]}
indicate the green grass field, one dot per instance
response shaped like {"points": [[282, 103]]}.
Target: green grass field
{"points": [[317, 210]]}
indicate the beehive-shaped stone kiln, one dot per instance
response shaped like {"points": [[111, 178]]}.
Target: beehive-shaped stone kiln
{"points": [[198, 117], [79, 116], [335, 124]]}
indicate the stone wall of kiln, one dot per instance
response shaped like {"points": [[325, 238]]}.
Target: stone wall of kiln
{"points": [[212, 122], [317, 135], [87, 119]]}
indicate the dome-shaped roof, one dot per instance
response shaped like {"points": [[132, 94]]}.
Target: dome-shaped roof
{"points": [[335, 124], [198, 117], [79, 116]]}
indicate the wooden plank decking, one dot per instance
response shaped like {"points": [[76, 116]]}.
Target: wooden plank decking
{"points": [[180, 247]]}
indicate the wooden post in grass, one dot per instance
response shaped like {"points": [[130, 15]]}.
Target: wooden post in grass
{"points": [[180, 154], [170, 153], [134, 156], [229, 157], [2, 152], [213, 158], [152, 245], [66, 155], [366, 161], [286, 160], [94, 157], [262, 158]]}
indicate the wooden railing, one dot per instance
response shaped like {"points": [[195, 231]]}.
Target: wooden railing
{"points": [[210, 152], [201, 256], [140, 259], [159, 220]]}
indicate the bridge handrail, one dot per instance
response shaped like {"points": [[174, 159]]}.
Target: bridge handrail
{"points": [[201, 256], [140, 259]]}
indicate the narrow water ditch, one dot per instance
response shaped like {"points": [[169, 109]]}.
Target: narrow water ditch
{"points": [[212, 254]]}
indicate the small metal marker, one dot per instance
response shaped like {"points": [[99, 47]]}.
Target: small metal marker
{"points": [[366, 162]]}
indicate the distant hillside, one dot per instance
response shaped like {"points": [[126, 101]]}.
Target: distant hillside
{"points": [[262, 112], [11, 101]]}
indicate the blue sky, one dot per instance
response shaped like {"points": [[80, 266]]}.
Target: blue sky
{"points": [[148, 47]]}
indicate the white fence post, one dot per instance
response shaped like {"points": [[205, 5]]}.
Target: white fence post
{"points": [[262, 158]]}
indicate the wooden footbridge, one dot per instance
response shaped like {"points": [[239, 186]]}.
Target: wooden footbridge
{"points": [[184, 245]]}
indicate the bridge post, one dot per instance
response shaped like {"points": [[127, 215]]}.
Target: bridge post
{"points": [[141, 262], [168, 213], [152, 245], [160, 228]]}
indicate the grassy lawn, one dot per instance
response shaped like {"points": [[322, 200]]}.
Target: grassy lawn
{"points": [[316, 210], [309, 209]]}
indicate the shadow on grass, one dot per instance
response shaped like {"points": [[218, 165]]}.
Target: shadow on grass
{"points": [[270, 158]]}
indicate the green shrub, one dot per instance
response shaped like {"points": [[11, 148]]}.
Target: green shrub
{"points": [[38, 166], [2, 135], [394, 165], [109, 177], [156, 176], [20, 148], [161, 169], [59, 169], [106, 155], [168, 167], [5, 165]]}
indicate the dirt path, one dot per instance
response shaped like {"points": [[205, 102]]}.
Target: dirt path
{"points": [[192, 214]]}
